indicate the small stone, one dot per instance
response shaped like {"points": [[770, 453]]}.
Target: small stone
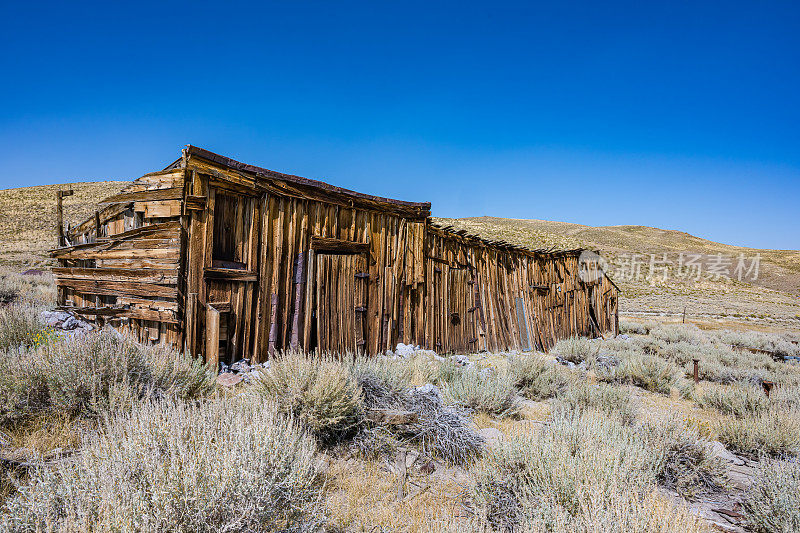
{"points": [[54, 318], [492, 436], [71, 323], [240, 366], [462, 360], [430, 391], [405, 350], [719, 450], [229, 379]]}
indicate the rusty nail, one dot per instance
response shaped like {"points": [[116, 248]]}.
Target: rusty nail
{"points": [[696, 370], [767, 387]]}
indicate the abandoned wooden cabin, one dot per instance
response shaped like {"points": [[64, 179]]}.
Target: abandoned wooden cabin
{"points": [[227, 261]]}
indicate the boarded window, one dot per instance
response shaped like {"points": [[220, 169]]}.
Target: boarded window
{"points": [[229, 231]]}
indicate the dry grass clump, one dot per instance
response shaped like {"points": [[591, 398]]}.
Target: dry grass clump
{"points": [[441, 431], [20, 327], [739, 400], [672, 333], [773, 502], [362, 496], [26, 290], [232, 466], [581, 397], [553, 481], [646, 371], [775, 432], [576, 349], [780, 345], [490, 392], [687, 464], [318, 391], [635, 327], [93, 374], [538, 378]]}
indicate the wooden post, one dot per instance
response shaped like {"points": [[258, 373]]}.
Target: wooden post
{"points": [[212, 338], [190, 324], [696, 370], [60, 216], [401, 474], [684, 315], [97, 226]]}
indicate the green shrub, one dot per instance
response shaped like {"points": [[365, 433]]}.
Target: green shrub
{"points": [[775, 432], [220, 466], [576, 349], [490, 392], [20, 327], [95, 373], [318, 391], [739, 400], [773, 501], [538, 378], [581, 397]]}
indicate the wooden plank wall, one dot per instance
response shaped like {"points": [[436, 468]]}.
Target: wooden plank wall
{"points": [[556, 302], [283, 287], [148, 262], [122, 265]]}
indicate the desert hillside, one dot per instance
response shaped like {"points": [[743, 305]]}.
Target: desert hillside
{"points": [[28, 217]]}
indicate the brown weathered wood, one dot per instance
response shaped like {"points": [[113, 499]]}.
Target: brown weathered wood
{"points": [[131, 312], [229, 274], [175, 193], [124, 288], [194, 203], [60, 215], [149, 275], [212, 336]]}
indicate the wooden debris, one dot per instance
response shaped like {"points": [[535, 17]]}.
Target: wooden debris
{"points": [[391, 417]]}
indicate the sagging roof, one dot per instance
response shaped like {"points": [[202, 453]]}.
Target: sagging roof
{"points": [[419, 209], [469, 238]]}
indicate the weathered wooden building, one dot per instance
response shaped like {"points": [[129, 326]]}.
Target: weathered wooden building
{"points": [[228, 260]]}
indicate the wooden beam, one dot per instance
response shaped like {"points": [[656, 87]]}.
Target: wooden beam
{"points": [[329, 244], [159, 276], [174, 193], [127, 312], [114, 288], [229, 274], [195, 203]]}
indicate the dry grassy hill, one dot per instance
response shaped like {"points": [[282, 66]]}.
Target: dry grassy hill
{"points": [[28, 217]]}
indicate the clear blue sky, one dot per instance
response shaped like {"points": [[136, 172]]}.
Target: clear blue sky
{"points": [[681, 115]]}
